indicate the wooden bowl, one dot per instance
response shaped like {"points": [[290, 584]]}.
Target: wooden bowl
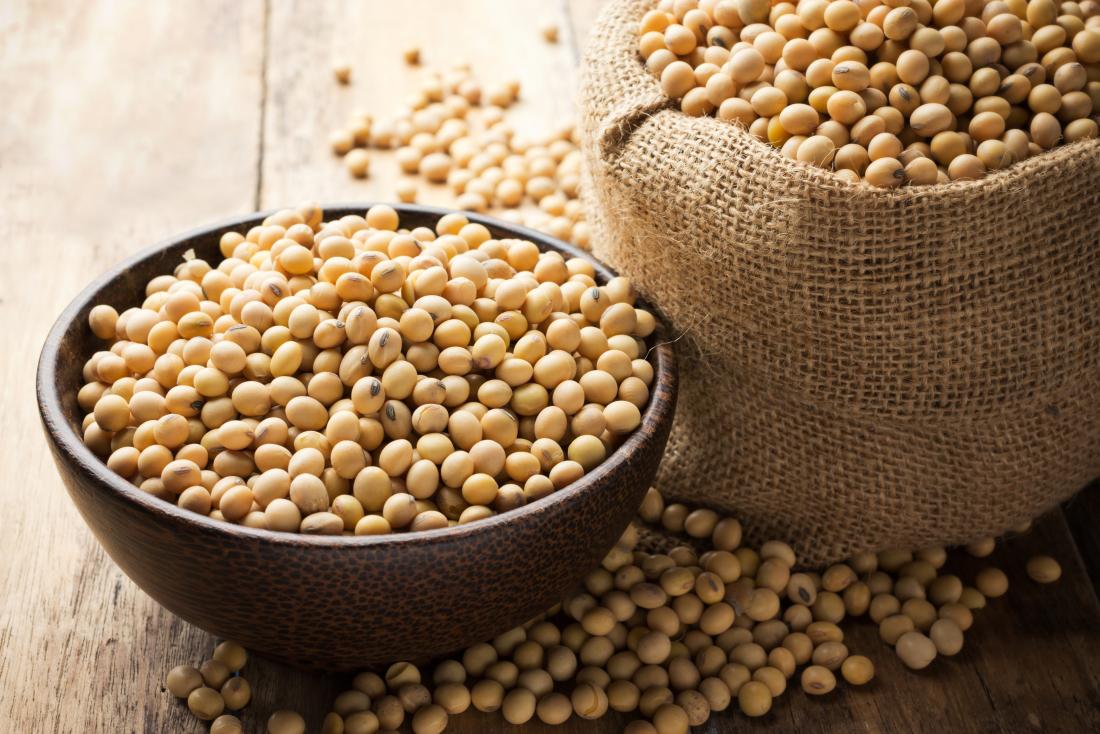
{"points": [[341, 602]]}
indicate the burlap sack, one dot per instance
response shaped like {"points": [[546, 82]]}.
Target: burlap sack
{"points": [[861, 368]]}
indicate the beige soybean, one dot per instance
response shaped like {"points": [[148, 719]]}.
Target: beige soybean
{"points": [[818, 680], [205, 703], [857, 670], [226, 724], [1043, 569], [991, 582], [182, 680], [754, 699], [916, 650], [236, 692], [285, 721], [947, 636]]}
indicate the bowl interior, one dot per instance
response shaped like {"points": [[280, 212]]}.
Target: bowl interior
{"points": [[70, 342]]}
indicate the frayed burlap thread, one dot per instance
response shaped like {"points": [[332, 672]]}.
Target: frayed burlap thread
{"points": [[861, 368]]}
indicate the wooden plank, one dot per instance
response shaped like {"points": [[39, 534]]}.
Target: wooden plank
{"points": [[124, 122], [582, 14], [500, 40], [1083, 515], [84, 649]]}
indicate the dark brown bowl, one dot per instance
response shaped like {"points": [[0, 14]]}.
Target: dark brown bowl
{"points": [[341, 602]]}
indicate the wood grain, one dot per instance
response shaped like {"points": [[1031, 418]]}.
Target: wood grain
{"points": [[129, 121], [123, 122], [1081, 514], [500, 40], [582, 13]]}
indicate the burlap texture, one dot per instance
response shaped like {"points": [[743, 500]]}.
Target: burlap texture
{"points": [[861, 368]]}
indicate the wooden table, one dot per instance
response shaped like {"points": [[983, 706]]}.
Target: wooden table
{"points": [[132, 120]]}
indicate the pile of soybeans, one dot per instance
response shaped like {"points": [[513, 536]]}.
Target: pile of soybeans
{"points": [[357, 376], [453, 130], [894, 92], [669, 638]]}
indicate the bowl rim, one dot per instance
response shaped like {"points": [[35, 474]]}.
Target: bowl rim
{"points": [[71, 446]]}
